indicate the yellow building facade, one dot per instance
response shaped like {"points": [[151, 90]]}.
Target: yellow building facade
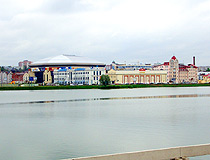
{"points": [[137, 76], [27, 75], [206, 79], [47, 76]]}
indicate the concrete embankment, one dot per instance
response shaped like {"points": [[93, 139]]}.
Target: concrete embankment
{"points": [[176, 153]]}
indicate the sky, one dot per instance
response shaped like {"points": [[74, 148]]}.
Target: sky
{"points": [[131, 31]]}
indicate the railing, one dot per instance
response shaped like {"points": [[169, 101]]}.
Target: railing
{"points": [[176, 153]]}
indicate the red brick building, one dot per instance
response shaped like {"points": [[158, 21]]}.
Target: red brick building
{"points": [[18, 77]]}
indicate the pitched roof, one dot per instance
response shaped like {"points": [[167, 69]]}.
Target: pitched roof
{"points": [[166, 63], [192, 65]]}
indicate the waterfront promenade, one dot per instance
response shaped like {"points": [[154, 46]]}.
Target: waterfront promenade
{"points": [[176, 153], [25, 87]]}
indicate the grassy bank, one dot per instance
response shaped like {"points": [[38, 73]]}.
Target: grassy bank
{"points": [[101, 87]]}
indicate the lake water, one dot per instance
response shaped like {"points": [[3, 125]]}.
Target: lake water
{"points": [[58, 124]]}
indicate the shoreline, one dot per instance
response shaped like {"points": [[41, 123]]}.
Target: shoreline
{"points": [[129, 86]]}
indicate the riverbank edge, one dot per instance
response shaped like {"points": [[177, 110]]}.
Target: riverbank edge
{"points": [[102, 87]]}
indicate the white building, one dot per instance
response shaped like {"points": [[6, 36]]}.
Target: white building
{"points": [[78, 76], [26, 77], [5, 77]]}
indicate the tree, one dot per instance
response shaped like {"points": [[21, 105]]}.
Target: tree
{"points": [[104, 80], [3, 69], [208, 70]]}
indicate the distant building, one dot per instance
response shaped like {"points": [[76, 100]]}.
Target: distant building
{"points": [[183, 74], [137, 76], [9, 77], [5, 77], [26, 77], [201, 74], [29, 77], [123, 66], [163, 67], [193, 73], [205, 79], [18, 77], [174, 70], [24, 64], [114, 65], [79, 76], [179, 73], [203, 68]]}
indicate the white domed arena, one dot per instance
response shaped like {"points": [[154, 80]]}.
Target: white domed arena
{"points": [[67, 60]]}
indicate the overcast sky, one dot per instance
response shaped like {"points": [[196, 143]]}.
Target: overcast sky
{"points": [[145, 31]]}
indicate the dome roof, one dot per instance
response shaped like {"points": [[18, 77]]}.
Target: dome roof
{"points": [[67, 60]]}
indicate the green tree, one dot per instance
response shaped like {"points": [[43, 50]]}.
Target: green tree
{"points": [[104, 80], [208, 70]]}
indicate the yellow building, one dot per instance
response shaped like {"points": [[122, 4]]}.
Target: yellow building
{"points": [[206, 79], [137, 76], [47, 76], [183, 75], [27, 75]]}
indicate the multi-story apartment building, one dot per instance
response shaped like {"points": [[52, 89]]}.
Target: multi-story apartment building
{"points": [[24, 64]]}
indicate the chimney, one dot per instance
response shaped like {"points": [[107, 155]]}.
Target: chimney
{"points": [[193, 60]]}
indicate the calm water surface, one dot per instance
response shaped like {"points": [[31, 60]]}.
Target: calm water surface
{"points": [[58, 124]]}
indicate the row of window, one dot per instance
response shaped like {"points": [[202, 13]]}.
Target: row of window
{"points": [[80, 72], [81, 78], [60, 73], [59, 79], [66, 73], [97, 73]]}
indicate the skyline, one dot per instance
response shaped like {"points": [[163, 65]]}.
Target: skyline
{"points": [[120, 30]]}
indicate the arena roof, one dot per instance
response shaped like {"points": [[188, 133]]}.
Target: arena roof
{"points": [[67, 60]]}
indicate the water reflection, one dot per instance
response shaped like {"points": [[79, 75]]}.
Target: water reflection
{"points": [[113, 98]]}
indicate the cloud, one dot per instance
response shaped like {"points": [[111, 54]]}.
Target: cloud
{"points": [[122, 30]]}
